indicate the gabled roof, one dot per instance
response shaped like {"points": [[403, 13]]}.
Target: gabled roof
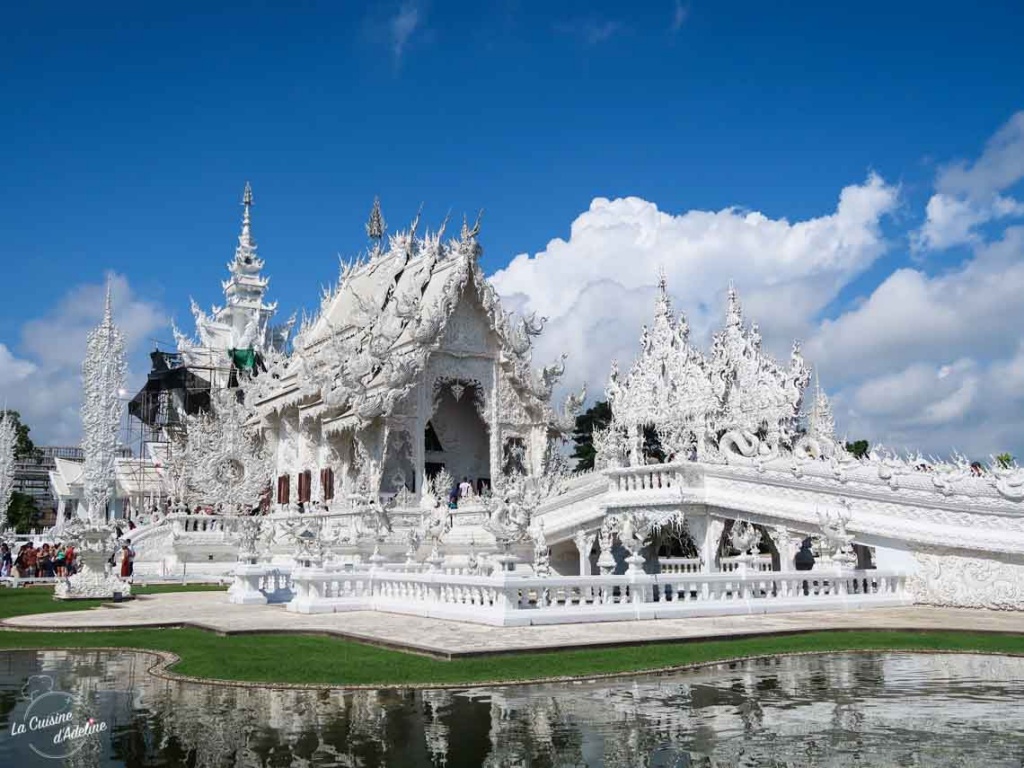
{"points": [[376, 330]]}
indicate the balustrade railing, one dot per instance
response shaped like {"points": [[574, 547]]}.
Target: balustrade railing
{"points": [[679, 564], [507, 599], [756, 563]]}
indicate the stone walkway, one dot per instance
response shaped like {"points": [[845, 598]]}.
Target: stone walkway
{"points": [[212, 611]]}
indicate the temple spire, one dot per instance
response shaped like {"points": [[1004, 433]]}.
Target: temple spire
{"points": [[734, 313], [663, 304], [246, 251], [108, 309], [376, 226]]}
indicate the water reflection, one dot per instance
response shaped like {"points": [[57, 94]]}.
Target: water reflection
{"points": [[847, 709]]}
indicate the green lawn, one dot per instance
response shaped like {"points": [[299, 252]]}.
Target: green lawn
{"points": [[273, 658], [39, 599]]}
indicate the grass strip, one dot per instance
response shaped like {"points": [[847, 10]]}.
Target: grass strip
{"points": [[39, 599], [318, 660]]}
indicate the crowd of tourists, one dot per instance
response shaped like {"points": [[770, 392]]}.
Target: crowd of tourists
{"points": [[46, 561]]}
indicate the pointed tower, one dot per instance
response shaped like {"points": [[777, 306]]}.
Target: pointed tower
{"points": [[375, 225], [821, 424], [241, 328]]}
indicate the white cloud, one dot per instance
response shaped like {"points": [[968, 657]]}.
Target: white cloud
{"points": [[13, 371], [968, 194], [401, 26], [591, 31], [929, 359], [680, 13], [44, 382], [597, 288]]}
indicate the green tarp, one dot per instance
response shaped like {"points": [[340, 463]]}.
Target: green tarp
{"points": [[243, 359]]}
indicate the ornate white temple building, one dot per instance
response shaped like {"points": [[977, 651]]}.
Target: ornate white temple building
{"points": [[405, 456]]}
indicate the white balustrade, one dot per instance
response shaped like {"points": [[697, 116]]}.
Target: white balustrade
{"points": [[756, 563], [507, 599], [679, 564]]}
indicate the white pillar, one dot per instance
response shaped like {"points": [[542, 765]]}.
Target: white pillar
{"points": [[584, 544]]}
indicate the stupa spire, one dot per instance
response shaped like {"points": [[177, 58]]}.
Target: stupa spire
{"points": [[734, 312], [245, 253], [376, 226]]}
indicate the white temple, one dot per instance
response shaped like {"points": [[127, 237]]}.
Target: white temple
{"points": [[330, 470], [241, 329]]}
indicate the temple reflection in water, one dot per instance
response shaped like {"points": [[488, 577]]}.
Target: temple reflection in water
{"points": [[849, 709]]}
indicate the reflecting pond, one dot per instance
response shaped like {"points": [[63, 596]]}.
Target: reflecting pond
{"points": [[842, 709]]}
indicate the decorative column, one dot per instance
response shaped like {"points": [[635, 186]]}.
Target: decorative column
{"points": [[584, 541], [8, 444], [784, 544], [708, 543], [103, 378]]}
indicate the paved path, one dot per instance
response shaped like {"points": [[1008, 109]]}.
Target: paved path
{"points": [[211, 610]]}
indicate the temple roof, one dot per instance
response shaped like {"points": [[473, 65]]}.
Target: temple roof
{"points": [[377, 328]]}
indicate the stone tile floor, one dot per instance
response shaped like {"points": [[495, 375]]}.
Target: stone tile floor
{"points": [[212, 611]]}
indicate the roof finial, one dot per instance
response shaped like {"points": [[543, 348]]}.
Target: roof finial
{"points": [[108, 307], [734, 313], [416, 222], [246, 251], [663, 305], [376, 226]]}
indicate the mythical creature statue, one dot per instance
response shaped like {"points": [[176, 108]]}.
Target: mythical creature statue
{"points": [[838, 542]]}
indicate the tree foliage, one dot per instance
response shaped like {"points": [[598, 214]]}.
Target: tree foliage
{"points": [[597, 416], [859, 448], [1004, 460], [22, 513], [24, 448]]}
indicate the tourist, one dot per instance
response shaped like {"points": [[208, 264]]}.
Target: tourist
{"points": [[45, 562], [70, 566], [465, 488], [453, 497], [126, 562], [131, 557], [5, 561], [60, 561]]}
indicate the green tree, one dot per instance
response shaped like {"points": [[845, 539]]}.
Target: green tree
{"points": [[1004, 460], [597, 416], [24, 447], [859, 448], [22, 514]]}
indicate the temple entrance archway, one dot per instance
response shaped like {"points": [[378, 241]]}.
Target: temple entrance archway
{"points": [[457, 436]]}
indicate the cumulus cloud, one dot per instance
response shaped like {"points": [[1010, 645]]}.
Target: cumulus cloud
{"points": [[928, 359], [43, 381], [968, 195], [597, 287]]}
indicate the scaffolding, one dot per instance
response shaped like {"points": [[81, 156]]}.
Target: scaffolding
{"points": [[180, 384]]}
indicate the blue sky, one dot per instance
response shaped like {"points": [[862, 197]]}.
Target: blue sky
{"points": [[128, 130]]}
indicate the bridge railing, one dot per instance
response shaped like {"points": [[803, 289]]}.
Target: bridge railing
{"points": [[507, 599], [647, 477], [679, 564]]}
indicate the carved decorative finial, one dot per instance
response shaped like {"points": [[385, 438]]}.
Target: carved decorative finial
{"points": [[416, 222], [246, 251], [734, 313], [376, 226], [663, 305], [108, 308], [467, 233]]}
